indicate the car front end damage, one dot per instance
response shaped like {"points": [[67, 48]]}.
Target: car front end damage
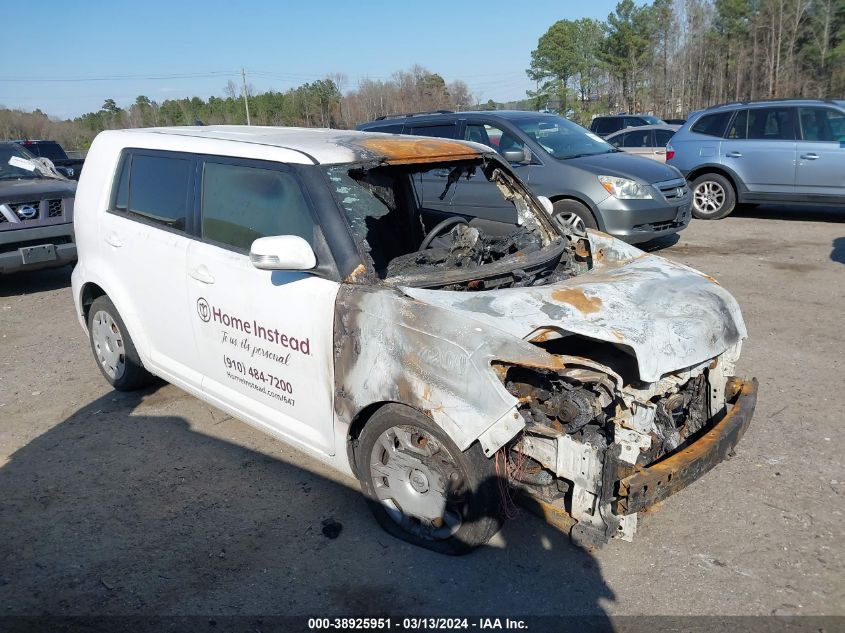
{"points": [[592, 456], [600, 376]]}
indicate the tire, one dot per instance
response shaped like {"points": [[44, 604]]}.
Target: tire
{"points": [[713, 197], [403, 457], [573, 214], [113, 349]]}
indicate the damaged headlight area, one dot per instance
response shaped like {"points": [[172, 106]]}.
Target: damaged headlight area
{"points": [[595, 450]]}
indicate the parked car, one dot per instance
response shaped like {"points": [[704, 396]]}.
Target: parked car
{"points": [[606, 125], [294, 279], [36, 213], [591, 184], [762, 151], [648, 141], [677, 122], [51, 150]]}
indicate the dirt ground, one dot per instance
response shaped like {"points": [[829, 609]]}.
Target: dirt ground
{"points": [[156, 503]]}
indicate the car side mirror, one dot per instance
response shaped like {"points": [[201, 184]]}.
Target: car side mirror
{"points": [[521, 155], [547, 204], [282, 252]]}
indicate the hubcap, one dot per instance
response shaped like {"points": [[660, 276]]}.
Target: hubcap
{"points": [[708, 197], [108, 345], [418, 482], [570, 221]]}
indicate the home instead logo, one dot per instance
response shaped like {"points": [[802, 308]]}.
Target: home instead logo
{"points": [[208, 312], [203, 309]]}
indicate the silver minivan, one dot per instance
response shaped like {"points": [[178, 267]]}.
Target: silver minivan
{"points": [[590, 183], [757, 152]]}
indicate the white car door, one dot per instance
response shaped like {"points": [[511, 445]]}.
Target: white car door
{"points": [[146, 234], [264, 337]]}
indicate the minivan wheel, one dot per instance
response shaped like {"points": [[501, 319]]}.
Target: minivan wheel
{"points": [[573, 215], [113, 348], [421, 487], [713, 197]]}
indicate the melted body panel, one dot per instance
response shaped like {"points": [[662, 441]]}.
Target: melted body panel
{"points": [[670, 316]]}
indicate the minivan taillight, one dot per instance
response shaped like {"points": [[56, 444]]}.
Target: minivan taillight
{"points": [[670, 152]]}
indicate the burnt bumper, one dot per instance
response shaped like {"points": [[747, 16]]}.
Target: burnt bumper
{"points": [[664, 478]]}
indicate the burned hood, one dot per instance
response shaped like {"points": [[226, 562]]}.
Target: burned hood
{"points": [[669, 315]]}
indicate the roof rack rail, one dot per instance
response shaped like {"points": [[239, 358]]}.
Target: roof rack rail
{"points": [[770, 100], [408, 114]]}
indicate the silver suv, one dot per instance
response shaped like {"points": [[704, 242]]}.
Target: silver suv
{"points": [[757, 152]]}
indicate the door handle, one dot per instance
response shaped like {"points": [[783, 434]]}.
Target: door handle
{"points": [[809, 156], [201, 274], [734, 154], [660, 152], [113, 240]]}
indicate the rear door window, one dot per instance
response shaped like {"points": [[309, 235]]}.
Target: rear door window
{"points": [[633, 121], [607, 126], [739, 126], [440, 131], [158, 189], [242, 203], [771, 124], [712, 124], [53, 151], [639, 138], [662, 137]]}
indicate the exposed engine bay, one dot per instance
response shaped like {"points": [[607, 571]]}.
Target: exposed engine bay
{"points": [[422, 225], [586, 430]]}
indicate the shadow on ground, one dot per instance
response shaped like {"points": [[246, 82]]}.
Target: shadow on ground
{"points": [[114, 511], [25, 283], [660, 243], [837, 254], [793, 212]]}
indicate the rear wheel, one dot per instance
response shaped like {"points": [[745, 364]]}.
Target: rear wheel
{"points": [[422, 488], [113, 348], [573, 215], [713, 197]]}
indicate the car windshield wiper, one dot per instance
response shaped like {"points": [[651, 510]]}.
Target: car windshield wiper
{"points": [[581, 155]]}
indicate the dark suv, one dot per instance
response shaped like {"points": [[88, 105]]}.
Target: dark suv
{"points": [[606, 125], [36, 213], [590, 183]]}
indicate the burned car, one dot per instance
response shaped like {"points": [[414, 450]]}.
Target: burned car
{"points": [[340, 291]]}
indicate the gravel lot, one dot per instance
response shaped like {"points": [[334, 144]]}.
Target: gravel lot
{"points": [[156, 503]]}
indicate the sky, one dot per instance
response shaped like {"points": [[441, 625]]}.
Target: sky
{"points": [[92, 50]]}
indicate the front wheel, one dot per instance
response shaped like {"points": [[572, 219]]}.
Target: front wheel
{"points": [[713, 197], [422, 488], [113, 349], [573, 215]]}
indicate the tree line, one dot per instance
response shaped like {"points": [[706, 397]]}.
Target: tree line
{"points": [[666, 57], [670, 57]]}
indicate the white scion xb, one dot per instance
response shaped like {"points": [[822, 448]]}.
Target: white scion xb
{"points": [[347, 293]]}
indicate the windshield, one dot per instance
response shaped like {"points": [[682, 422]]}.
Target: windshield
{"points": [[563, 139], [458, 217], [15, 163], [653, 120]]}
